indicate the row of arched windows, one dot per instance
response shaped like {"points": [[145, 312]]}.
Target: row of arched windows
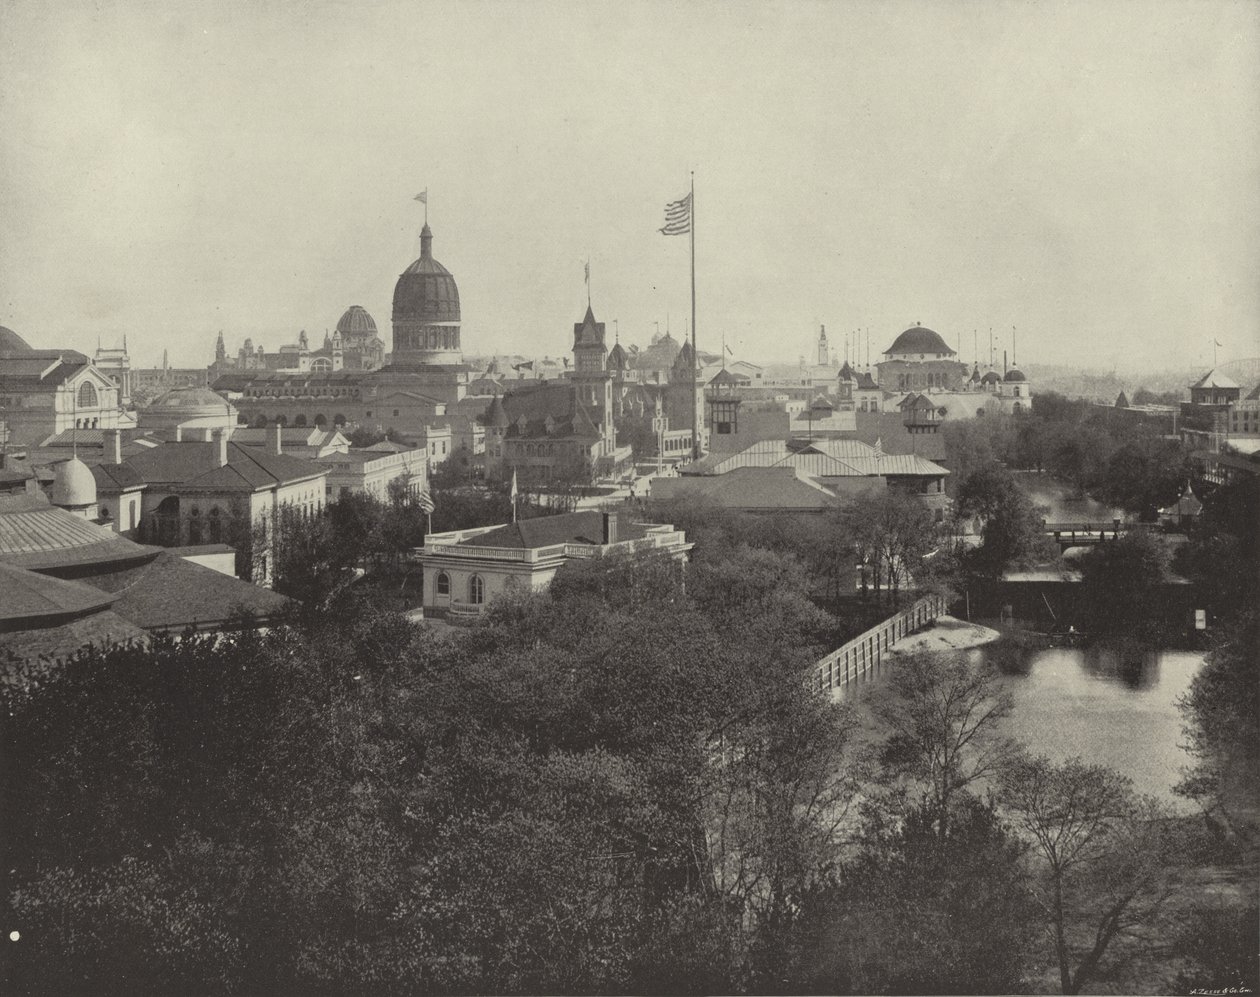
{"points": [[476, 587], [299, 421]]}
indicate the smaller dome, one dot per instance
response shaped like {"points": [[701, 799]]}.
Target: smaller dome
{"points": [[356, 322], [73, 484], [11, 342], [188, 400], [1014, 375], [991, 377]]}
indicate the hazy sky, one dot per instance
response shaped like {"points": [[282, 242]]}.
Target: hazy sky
{"points": [[1087, 172]]}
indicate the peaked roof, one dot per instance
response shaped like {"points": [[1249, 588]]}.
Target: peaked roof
{"points": [[543, 531], [1214, 379], [194, 464], [751, 488], [588, 332]]}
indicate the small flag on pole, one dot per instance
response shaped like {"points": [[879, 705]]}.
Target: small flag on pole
{"points": [[425, 501], [677, 217], [1218, 342], [588, 273], [512, 494], [728, 349], [423, 196]]}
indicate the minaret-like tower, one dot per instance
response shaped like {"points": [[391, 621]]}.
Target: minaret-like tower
{"points": [[824, 352]]}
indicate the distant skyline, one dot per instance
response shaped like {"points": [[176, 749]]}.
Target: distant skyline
{"points": [[1086, 172]]}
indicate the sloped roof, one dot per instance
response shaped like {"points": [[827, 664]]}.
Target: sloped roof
{"points": [[890, 429], [750, 488], [36, 534], [1215, 379], [116, 477], [917, 339], [555, 401], [28, 595], [194, 464], [170, 592], [544, 531], [104, 628]]}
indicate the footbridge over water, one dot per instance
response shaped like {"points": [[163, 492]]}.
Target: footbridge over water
{"points": [[1090, 534]]}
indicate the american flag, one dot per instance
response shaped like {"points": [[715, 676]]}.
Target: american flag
{"points": [[425, 501], [678, 217]]}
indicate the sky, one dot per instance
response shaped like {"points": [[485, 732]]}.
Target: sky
{"points": [[1087, 173]]}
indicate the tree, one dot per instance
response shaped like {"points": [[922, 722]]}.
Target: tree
{"points": [[1143, 476], [911, 913], [943, 717], [1012, 530], [892, 531], [1121, 585], [1222, 728], [1104, 855]]}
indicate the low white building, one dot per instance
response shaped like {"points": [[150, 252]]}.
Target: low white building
{"points": [[465, 570]]}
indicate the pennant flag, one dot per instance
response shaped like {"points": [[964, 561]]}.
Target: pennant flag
{"points": [[512, 490], [1218, 342], [588, 273], [677, 217], [523, 366], [728, 349], [423, 196]]}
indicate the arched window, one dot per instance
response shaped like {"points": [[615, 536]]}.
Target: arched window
{"points": [[87, 395], [282, 421], [299, 421], [443, 583], [194, 526], [216, 526], [321, 420], [261, 422], [476, 590]]}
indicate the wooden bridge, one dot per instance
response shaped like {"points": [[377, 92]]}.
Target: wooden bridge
{"points": [[1089, 534]]}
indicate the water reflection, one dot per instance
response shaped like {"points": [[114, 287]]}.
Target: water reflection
{"points": [[1116, 706]]}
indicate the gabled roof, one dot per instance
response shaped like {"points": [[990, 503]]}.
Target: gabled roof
{"points": [[1214, 379], [194, 464], [116, 477], [751, 488], [528, 411], [588, 332], [28, 595], [543, 531]]}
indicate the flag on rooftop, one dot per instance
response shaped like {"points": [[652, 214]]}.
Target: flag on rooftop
{"points": [[423, 196], [677, 217]]}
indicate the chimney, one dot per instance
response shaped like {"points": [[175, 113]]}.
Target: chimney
{"points": [[113, 446], [610, 528], [1004, 361], [220, 440], [273, 438]]}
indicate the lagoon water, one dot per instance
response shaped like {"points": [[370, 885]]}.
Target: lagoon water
{"points": [[1061, 503], [1111, 710]]}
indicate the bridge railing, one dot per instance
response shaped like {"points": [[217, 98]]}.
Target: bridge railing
{"points": [[849, 662]]}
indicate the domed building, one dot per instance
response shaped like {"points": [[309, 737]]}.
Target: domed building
{"points": [[426, 311], [191, 413], [11, 342], [356, 336], [74, 488], [919, 359]]}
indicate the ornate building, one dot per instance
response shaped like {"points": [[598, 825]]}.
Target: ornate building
{"points": [[426, 311], [919, 359]]}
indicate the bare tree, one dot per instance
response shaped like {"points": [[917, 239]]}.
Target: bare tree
{"points": [[944, 717], [1105, 854]]}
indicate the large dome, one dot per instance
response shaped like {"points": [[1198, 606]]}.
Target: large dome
{"points": [[11, 342], [193, 401], [356, 322], [426, 310], [916, 340]]}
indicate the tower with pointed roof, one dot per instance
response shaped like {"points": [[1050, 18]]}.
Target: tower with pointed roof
{"points": [[591, 378]]}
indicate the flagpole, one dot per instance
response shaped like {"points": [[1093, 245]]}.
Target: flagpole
{"points": [[695, 357]]}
